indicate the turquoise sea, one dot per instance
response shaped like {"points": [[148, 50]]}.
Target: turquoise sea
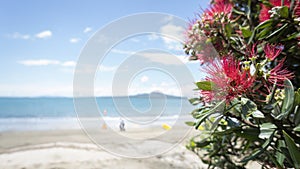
{"points": [[43, 113]]}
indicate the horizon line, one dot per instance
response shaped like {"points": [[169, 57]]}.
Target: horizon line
{"points": [[59, 96]]}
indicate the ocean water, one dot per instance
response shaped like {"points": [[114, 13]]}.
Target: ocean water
{"points": [[44, 113]]}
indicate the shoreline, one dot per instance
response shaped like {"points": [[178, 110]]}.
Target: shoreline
{"points": [[73, 123], [73, 149]]}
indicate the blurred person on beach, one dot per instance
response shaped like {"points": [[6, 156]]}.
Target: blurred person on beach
{"points": [[122, 125], [104, 124]]}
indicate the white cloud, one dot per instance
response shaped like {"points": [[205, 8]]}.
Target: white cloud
{"points": [[87, 30], [103, 68], [39, 62], [167, 19], [153, 36], [144, 79], [68, 63], [74, 40], [46, 62], [173, 45], [164, 58], [122, 52], [18, 35], [173, 31], [159, 57], [174, 35], [44, 34]]}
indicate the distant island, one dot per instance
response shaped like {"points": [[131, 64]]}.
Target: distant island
{"points": [[142, 95], [156, 95]]}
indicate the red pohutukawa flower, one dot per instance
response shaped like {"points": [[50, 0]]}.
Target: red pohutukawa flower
{"points": [[279, 74], [297, 9], [218, 9], [264, 12], [228, 79], [196, 41], [221, 1], [252, 50], [191, 35], [272, 51]]}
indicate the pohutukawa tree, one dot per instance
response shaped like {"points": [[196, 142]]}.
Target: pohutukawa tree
{"points": [[248, 106]]}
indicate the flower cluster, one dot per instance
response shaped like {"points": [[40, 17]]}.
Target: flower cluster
{"points": [[249, 52], [231, 78], [272, 51], [264, 13], [265, 10], [228, 79], [218, 11], [279, 74], [202, 40]]}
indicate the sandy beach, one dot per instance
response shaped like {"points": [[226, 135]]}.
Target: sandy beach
{"points": [[69, 149]]}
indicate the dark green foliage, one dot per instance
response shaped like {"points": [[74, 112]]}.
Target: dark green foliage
{"points": [[262, 124]]}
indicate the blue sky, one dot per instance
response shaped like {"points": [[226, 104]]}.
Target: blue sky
{"points": [[41, 41]]}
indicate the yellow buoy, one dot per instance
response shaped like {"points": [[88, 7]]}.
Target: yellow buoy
{"points": [[104, 126], [166, 127]]}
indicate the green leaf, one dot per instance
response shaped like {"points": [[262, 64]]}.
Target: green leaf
{"points": [[279, 156], [297, 115], [205, 115], [248, 106], [284, 12], [202, 118], [216, 123], [264, 33], [190, 123], [258, 114], [228, 30], [194, 101], [297, 97], [238, 12], [202, 143], [226, 132], [260, 151], [266, 130], [205, 85], [286, 153], [292, 36], [191, 145], [197, 113], [293, 150], [277, 31], [278, 165], [267, 3], [297, 128], [250, 134], [288, 101], [279, 12], [282, 33], [246, 31], [265, 24], [232, 123]]}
